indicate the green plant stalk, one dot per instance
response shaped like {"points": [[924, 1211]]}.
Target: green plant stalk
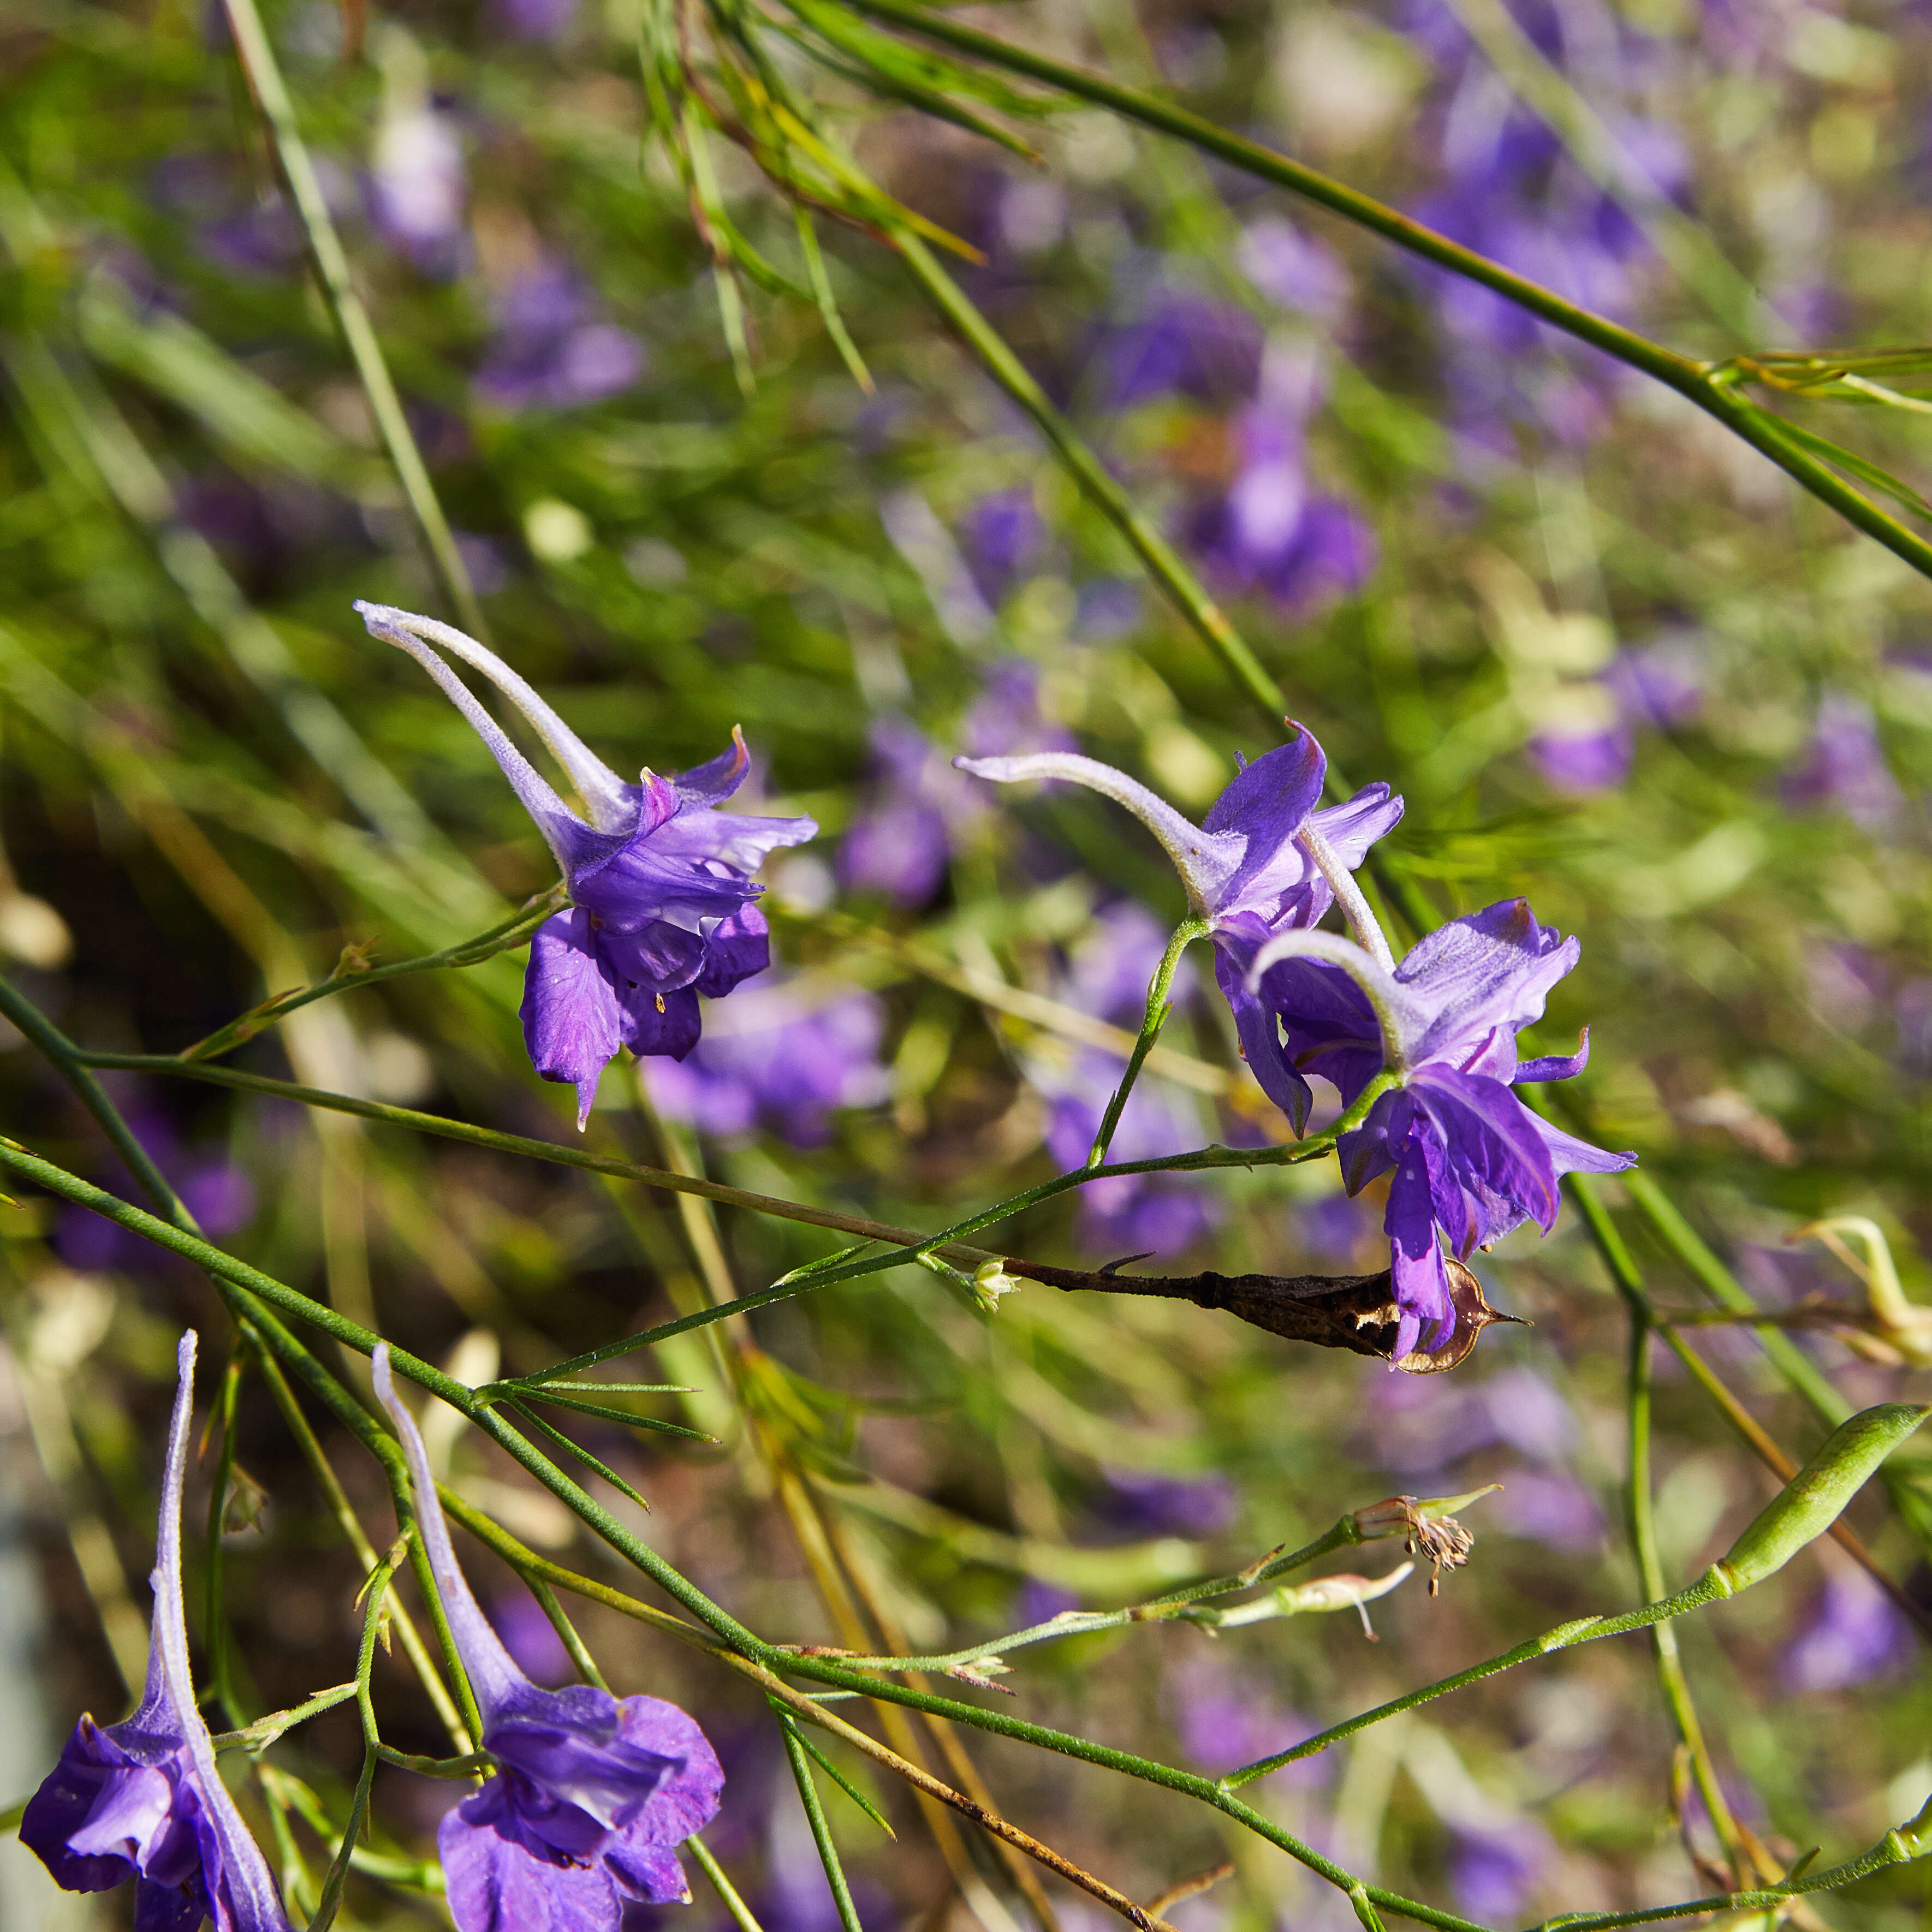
{"points": [[499, 938], [378, 1590], [1159, 988], [1209, 622], [1691, 380], [264, 1732], [214, 1623], [1671, 1677], [815, 1813], [264, 76], [741, 1914]]}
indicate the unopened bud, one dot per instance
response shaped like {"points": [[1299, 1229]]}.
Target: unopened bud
{"points": [[991, 1280], [1814, 1498]]}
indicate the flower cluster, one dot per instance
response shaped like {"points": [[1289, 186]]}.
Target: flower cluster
{"points": [[1429, 1042], [590, 1797], [659, 877]]}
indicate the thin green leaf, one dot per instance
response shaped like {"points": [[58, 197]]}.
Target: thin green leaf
{"points": [[542, 1392], [577, 1449], [828, 305], [846, 1785], [1867, 471]]}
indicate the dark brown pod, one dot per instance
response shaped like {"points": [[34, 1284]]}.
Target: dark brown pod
{"points": [[1355, 1311]]}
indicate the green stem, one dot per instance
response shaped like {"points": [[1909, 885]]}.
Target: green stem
{"points": [[214, 1625], [1670, 1673], [264, 76], [1689, 379], [1710, 1588], [741, 1914], [1158, 1008], [1162, 561], [814, 1812], [500, 938]]}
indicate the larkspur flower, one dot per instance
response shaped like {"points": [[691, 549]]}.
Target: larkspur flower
{"points": [[660, 878], [1264, 860], [784, 1056], [591, 1794], [1467, 1155], [143, 1799]]}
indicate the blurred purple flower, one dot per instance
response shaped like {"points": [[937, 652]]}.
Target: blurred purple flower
{"points": [[591, 1795], [1528, 1415], [1853, 1632], [1107, 975], [1495, 1874], [782, 1057], [530, 1637], [1291, 268], [900, 844], [1581, 762], [1225, 1721], [1334, 1229], [1040, 1603], [1844, 766], [1107, 608], [218, 1194], [1181, 343], [418, 185], [1001, 535], [535, 19], [1661, 683], [1140, 1503], [1553, 1508], [1005, 716], [549, 352]]}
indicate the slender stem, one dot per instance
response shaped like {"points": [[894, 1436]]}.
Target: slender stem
{"points": [[1586, 1630], [821, 1831], [500, 938], [740, 1914], [214, 1623], [1689, 379], [264, 76], [1210, 621], [265, 1731], [1158, 1007], [1670, 1674]]}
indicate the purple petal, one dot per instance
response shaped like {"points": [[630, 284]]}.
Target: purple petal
{"points": [[1555, 1065], [647, 882], [736, 948], [572, 1024], [666, 1023], [900, 851], [1493, 1146], [712, 782], [1568, 1155], [684, 1803], [1351, 827], [1418, 1277], [730, 838], [1490, 969], [500, 1879], [1267, 804], [1260, 1044]]}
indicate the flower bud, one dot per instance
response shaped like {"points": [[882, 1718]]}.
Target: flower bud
{"points": [[1814, 1498], [990, 1281]]}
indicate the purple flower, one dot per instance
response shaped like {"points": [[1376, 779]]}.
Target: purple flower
{"points": [[1844, 766], [535, 19], [1495, 1874], [1184, 343], [1140, 1503], [1002, 535], [1300, 273], [1261, 863], [1005, 716], [143, 1799], [784, 1056], [901, 845], [219, 1196], [549, 352], [1225, 1721], [591, 1795], [417, 185], [1661, 684], [1467, 1155], [1585, 761], [1853, 1632], [661, 879]]}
